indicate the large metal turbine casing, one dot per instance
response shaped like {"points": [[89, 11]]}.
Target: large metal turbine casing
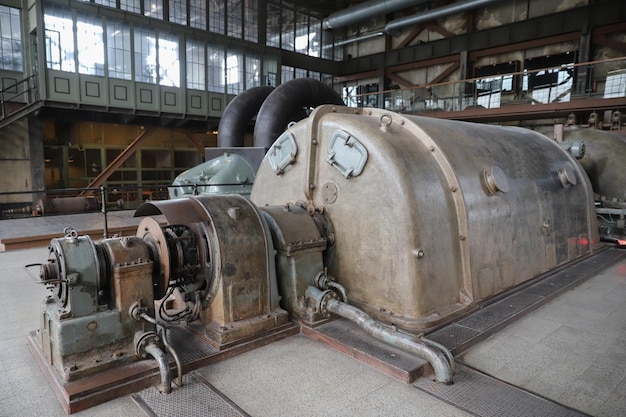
{"points": [[605, 153], [430, 216]]}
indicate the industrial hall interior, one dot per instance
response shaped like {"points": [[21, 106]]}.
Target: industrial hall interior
{"points": [[309, 208]]}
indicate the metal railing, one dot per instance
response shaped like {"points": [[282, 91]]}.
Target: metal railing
{"points": [[569, 82], [18, 95], [114, 198]]}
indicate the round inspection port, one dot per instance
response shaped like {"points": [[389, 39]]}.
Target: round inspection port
{"points": [[495, 181], [567, 176]]}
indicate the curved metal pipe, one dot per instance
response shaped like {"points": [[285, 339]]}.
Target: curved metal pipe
{"points": [[442, 363], [165, 387], [366, 10], [166, 343], [338, 288], [241, 109], [395, 25], [326, 282], [286, 103]]}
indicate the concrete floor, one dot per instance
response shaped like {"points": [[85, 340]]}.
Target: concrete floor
{"points": [[572, 350]]}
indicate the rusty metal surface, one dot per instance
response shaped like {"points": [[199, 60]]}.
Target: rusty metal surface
{"points": [[482, 395], [197, 397], [235, 258], [349, 339], [194, 351]]}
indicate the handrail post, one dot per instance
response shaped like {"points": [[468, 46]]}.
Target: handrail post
{"points": [[103, 194]]}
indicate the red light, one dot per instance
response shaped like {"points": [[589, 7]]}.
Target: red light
{"points": [[621, 242]]}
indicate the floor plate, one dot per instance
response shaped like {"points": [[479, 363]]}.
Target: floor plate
{"points": [[197, 397]]}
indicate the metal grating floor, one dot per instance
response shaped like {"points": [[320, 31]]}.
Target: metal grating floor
{"points": [[477, 326], [197, 397], [482, 395], [189, 346]]}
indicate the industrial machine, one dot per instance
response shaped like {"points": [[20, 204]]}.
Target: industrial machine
{"points": [[397, 223], [603, 161], [225, 174]]}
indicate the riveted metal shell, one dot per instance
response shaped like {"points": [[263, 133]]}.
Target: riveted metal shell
{"points": [[442, 215]]}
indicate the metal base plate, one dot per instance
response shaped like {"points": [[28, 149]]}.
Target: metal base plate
{"points": [[349, 339], [194, 351], [197, 397]]}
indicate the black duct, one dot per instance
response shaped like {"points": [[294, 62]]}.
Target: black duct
{"points": [[237, 115], [285, 104]]}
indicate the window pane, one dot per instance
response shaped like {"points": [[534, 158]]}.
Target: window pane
{"points": [[327, 44], [10, 39], [251, 20], [153, 8], [315, 36], [286, 73], [197, 14], [235, 19], [253, 72], [186, 159], [108, 3], [145, 56], [89, 36], [169, 61], [59, 38], [156, 158], [288, 25], [270, 71], [234, 72], [118, 44], [133, 6], [302, 33], [178, 12], [215, 69], [195, 64], [301, 73], [216, 16], [273, 25]]}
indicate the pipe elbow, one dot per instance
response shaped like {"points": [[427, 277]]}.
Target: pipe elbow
{"points": [[285, 103], [146, 344], [165, 387]]}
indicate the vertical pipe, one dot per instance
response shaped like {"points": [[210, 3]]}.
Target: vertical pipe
{"points": [[165, 387]]}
